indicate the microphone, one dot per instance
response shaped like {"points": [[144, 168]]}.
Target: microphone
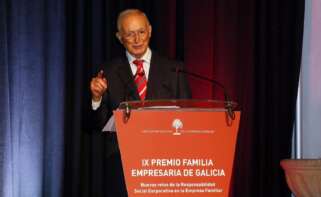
{"points": [[128, 93], [227, 98]]}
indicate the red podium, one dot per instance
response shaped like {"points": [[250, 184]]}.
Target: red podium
{"points": [[177, 147]]}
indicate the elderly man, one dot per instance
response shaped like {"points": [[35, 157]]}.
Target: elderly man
{"points": [[138, 75]]}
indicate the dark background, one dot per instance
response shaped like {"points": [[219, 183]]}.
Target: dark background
{"points": [[50, 50]]}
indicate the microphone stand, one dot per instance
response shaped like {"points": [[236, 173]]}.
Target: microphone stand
{"points": [[228, 101]]}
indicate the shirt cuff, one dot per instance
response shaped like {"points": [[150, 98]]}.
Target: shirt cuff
{"points": [[95, 104]]}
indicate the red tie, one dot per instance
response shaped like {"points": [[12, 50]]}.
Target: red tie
{"points": [[140, 79]]}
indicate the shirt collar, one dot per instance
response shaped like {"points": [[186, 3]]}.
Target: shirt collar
{"points": [[146, 57]]}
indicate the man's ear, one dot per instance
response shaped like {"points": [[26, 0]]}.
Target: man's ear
{"points": [[150, 30], [118, 36]]}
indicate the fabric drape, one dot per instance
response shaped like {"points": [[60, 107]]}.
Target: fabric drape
{"points": [[32, 98]]}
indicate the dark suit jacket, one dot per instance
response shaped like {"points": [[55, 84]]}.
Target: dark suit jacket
{"points": [[162, 83]]}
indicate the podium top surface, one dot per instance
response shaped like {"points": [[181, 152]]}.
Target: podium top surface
{"points": [[179, 104]]}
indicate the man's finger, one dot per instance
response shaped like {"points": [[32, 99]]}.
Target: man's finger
{"points": [[101, 82], [97, 91], [100, 74]]}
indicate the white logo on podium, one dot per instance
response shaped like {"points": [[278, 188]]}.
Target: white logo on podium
{"points": [[177, 124]]}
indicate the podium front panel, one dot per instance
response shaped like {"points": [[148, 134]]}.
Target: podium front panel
{"points": [[177, 152]]}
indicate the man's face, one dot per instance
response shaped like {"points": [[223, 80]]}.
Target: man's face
{"points": [[134, 34]]}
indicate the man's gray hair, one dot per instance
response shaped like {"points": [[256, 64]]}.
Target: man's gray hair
{"points": [[128, 12]]}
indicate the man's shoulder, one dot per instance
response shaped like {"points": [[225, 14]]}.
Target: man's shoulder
{"points": [[164, 60]]}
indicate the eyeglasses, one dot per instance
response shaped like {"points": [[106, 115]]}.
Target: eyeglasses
{"points": [[132, 35]]}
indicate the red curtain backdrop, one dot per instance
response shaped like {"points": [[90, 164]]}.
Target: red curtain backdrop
{"points": [[219, 44], [199, 45]]}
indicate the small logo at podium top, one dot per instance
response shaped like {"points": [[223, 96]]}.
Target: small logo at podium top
{"points": [[177, 125]]}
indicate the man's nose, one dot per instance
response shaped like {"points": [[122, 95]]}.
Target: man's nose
{"points": [[137, 37]]}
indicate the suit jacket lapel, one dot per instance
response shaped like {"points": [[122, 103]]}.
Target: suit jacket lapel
{"points": [[154, 78], [126, 76]]}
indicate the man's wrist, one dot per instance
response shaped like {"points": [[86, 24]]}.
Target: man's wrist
{"points": [[95, 103]]}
